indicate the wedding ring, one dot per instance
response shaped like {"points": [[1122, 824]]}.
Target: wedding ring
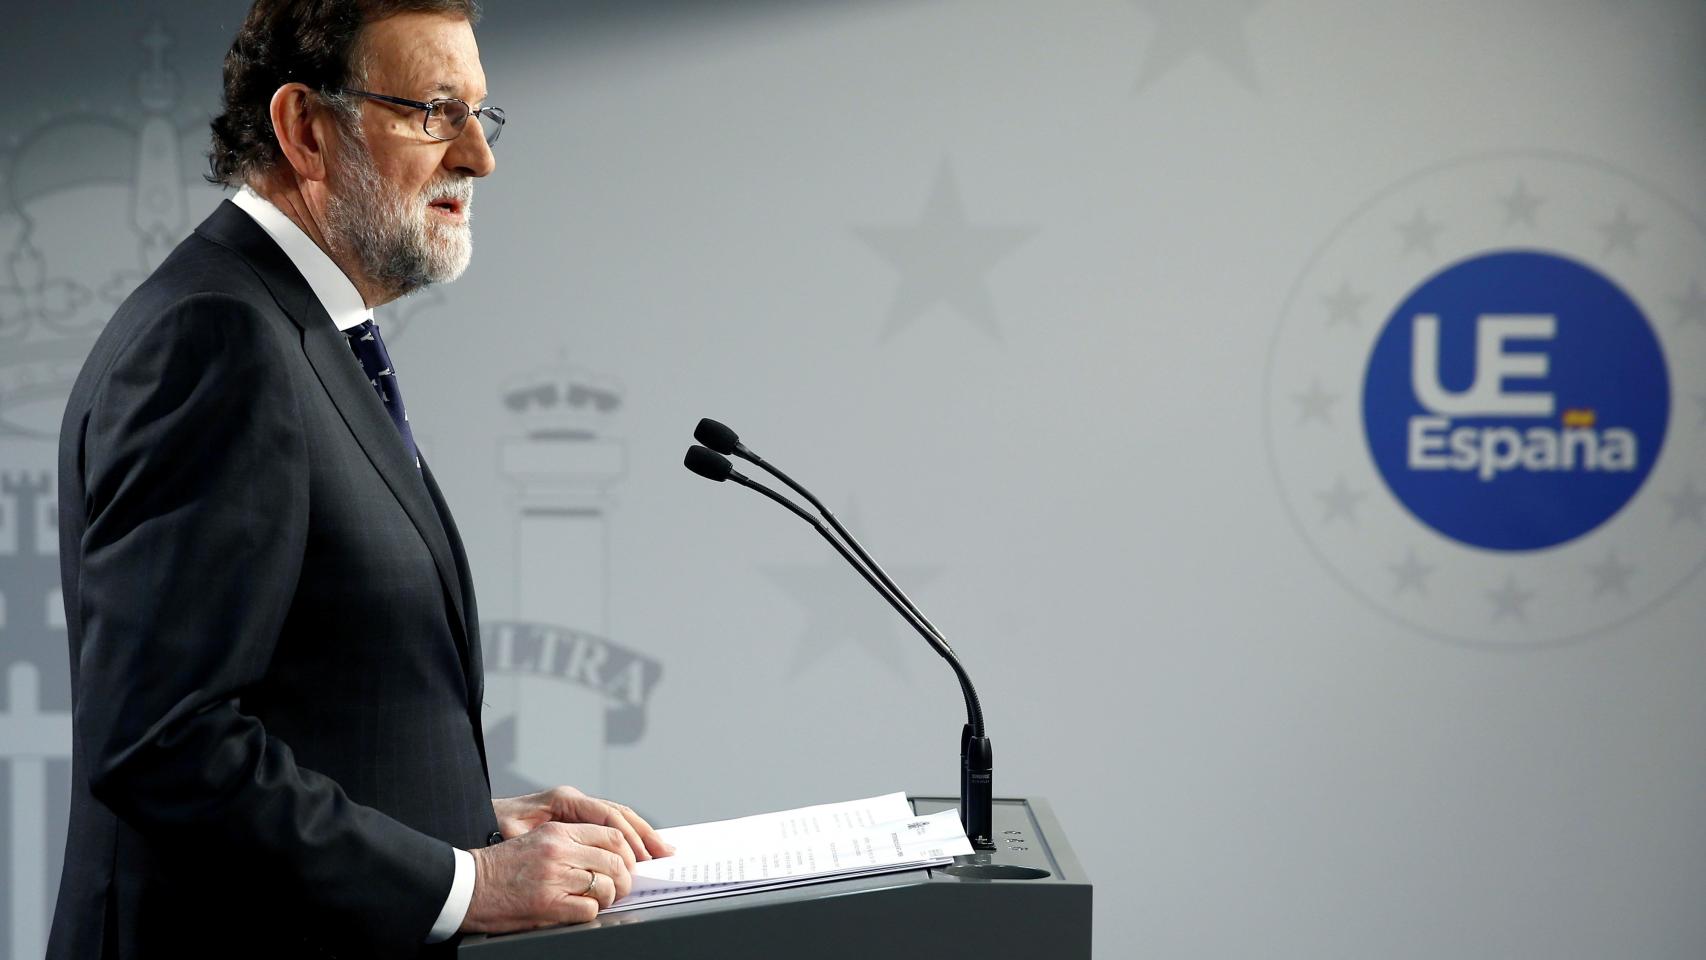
{"points": [[591, 884]]}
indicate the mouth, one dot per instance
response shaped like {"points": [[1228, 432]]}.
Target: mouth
{"points": [[448, 207]]}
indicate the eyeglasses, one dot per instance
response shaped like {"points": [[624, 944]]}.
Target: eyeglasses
{"points": [[445, 117]]}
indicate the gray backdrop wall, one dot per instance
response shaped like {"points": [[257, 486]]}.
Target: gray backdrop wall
{"points": [[1086, 315]]}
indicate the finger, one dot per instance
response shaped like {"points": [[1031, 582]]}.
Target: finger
{"points": [[573, 909], [656, 844], [609, 814], [620, 821], [606, 863], [599, 888], [605, 838], [621, 878]]}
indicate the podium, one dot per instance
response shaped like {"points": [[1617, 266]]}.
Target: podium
{"points": [[1027, 898]]}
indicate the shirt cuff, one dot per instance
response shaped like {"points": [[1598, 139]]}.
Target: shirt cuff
{"points": [[461, 895]]}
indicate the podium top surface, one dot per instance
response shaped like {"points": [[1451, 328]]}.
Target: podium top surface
{"points": [[1032, 859]]}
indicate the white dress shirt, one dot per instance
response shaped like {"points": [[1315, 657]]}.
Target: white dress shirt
{"points": [[343, 302]]}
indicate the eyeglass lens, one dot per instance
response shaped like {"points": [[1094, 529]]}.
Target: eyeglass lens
{"points": [[448, 117]]}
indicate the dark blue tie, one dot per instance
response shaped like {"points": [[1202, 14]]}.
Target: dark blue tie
{"points": [[369, 350]]}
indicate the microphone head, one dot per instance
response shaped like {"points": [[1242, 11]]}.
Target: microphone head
{"points": [[717, 436], [708, 463]]}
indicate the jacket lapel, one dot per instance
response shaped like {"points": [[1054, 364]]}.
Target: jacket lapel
{"points": [[365, 414], [341, 375]]}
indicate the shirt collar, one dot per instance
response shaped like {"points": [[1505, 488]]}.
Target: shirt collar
{"points": [[334, 290]]}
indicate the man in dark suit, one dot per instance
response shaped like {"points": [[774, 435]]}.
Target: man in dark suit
{"points": [[274, 645]]}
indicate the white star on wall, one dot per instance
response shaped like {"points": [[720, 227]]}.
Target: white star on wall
{"points": [[1691, 306], [1213, 28], [1340, 501], [1611, 575], [1510, 600], [944, 259], [1419, 233], [1687, 504], [1344, 306], [1621, 232], [840, 611], [1314, 404], [1410, 573], [1521, 206]]}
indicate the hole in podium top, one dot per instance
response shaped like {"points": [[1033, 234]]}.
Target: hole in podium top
{"points": [[994, 871]]}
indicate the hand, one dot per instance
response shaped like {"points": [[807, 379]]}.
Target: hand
{"points": [[518, 815], [541, 878]]}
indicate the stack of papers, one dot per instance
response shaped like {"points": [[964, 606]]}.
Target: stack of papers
{"points": [[792, 848]]}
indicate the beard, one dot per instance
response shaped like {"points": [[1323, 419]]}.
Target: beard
{"points": [[399, 242]]}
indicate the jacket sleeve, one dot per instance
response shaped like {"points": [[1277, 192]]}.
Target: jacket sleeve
{"points": [[196, 475]]}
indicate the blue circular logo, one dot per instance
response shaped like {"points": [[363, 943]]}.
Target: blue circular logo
{"points": [[1516, 400]]}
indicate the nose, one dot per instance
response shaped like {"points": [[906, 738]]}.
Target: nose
{"points": [[469, 154]]}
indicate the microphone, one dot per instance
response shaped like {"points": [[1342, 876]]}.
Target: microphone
{"points": [[976, 752], [722, 439], [711, 466], [714, 466]]}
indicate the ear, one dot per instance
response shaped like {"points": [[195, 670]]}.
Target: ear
{"points": [[305, 130]]}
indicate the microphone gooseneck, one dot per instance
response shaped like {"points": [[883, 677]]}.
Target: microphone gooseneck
{"points": [[725, 441], [976, 753]]}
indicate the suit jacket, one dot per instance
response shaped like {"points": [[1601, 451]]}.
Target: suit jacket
{"points": [[274, 653]]}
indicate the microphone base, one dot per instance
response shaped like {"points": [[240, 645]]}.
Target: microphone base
{"points": [[977, 789]]}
